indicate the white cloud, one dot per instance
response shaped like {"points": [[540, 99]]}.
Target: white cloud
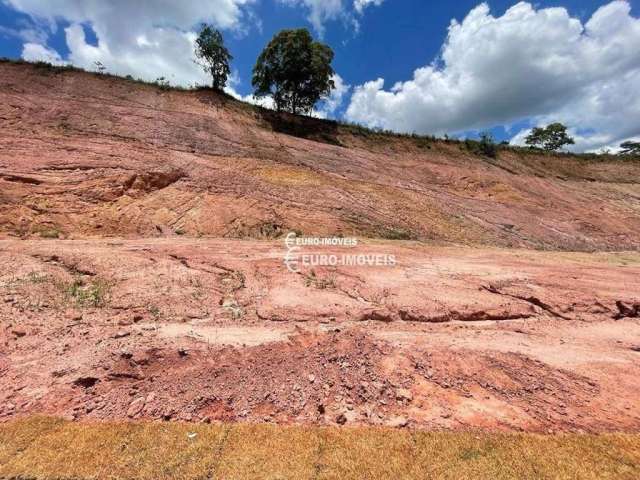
{"points": [[26, 32], [335, 98], [320, 11], [323, 11], [34, 52], [541, 64], [360, 5], [146, 39]]}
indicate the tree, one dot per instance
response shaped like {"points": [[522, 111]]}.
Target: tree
{"points": [[213, 56], [630, 148], [550, 138], [294, 70]]}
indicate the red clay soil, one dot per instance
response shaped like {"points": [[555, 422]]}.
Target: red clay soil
{"points": [[101, 320], [220, 330], [86, 155]]}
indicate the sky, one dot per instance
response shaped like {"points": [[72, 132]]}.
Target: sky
{"points": [[418, 66]]}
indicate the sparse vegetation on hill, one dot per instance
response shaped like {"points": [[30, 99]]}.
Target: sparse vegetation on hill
{"points": [[303, 129], [485, 146]]}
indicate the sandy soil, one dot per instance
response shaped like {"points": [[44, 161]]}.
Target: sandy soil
{"points": [[220, 330]]}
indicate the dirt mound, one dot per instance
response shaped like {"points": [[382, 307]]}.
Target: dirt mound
{"points": [[328, 378], [86, 155]]}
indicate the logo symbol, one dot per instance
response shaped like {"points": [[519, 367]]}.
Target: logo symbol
{"points": [[291, 257]]}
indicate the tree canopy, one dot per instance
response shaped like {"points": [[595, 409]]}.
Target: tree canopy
{"points": [[213, 56], [295, 70], [630, 148], [550, 138]]}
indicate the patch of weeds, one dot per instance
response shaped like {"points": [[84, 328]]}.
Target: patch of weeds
{"points": [[311, 279], [231, 305], [469, 454], [393, 233], [269, 230], [37, 277], [198, 292], [154, 311], [163, 83], [473, 453], [483, 147], [49, 233], [423, 141], [232, 281], [93, 294]]}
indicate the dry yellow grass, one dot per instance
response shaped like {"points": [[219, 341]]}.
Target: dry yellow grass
{"points": [[43, 448], [291, 176], [270, 452]]}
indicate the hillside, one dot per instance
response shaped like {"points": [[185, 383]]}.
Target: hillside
{"points": [[86, 155], [142, 273]]}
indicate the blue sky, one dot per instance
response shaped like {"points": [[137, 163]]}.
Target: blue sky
{"points": [[394, 40]]}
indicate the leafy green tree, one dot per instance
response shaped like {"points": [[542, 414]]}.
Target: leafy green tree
{"points": [[213, 56], [630, 148], [551, 138], [295, 70]]}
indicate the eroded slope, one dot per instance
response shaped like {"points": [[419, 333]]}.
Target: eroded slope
{"points": [[86, 155]]}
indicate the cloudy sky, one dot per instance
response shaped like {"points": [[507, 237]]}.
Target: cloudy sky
{"points": [[407, 65]]}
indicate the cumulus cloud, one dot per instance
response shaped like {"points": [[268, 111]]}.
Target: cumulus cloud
{"points": [[533, 64], [335, 99], [360, 5], [35, 52], [146, 39]]}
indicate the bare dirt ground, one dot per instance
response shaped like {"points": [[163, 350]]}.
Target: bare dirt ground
{"points": [[157, 288], [219, 330]]}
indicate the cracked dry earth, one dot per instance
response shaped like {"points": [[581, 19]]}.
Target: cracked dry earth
{"points": [[219, 330]]}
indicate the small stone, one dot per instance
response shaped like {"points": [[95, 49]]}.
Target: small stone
{"points": [[397, 422], [18, 332], [404, 394], [136, 407], [342, 419], [126, 354]]}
